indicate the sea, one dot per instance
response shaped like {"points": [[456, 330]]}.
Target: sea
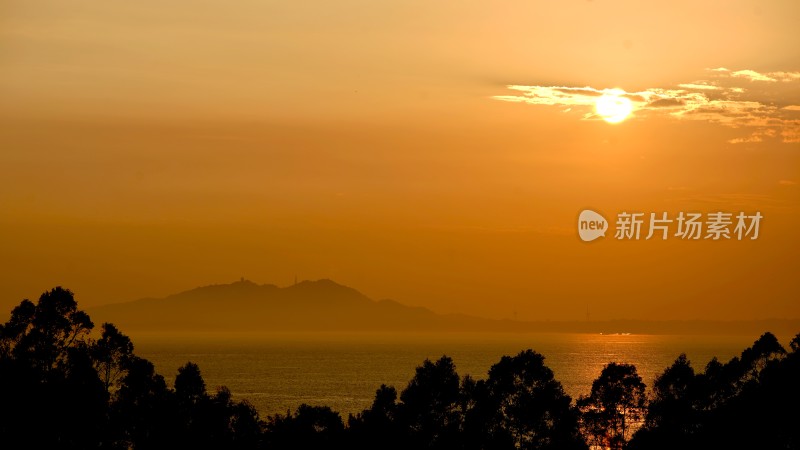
{"points": [[277, 373]]}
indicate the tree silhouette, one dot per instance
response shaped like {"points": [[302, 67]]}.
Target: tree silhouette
{"points": [[78, 402], [61, 390], [111, 354], [189, 385], [675, 409], [754, 359], [430, 411], [41, 334], [312, 427], [377, 427], [615, 405], [737, 405], [196, 410], [15, 329], [50, 394], [778, 400], [522, 406], [246, 428], [674, 392], [748, 394], [145, 412]]}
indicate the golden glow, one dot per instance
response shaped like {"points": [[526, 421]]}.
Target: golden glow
{"points": [[613, 107], [154, 149]]}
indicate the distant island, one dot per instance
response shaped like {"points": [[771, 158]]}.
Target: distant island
{"points": [[326, 306]]}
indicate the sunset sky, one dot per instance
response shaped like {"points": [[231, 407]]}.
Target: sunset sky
{"points": [[435, 153]]}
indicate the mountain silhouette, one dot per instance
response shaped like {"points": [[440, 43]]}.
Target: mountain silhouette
{"points": [[321, 305], [324, 305]]}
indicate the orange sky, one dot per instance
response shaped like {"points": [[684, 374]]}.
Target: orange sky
{"points": [[151, 147]]}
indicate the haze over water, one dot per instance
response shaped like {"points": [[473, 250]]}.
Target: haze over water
{"points": [[278, 372]]}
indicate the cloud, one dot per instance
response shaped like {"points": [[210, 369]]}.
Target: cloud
{"points": [[786, 76], [764, 108], [552, 95], [583, 91], [752, 138], [700, 85], [787, 183], [752, 75], [792, 135], [666, 102]]}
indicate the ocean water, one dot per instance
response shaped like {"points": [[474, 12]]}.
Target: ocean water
{"points": [[278, 372]]}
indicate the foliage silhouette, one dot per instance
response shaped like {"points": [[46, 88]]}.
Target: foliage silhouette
{"points": [[310, 427], [378, 426], [189, 385], [111, 354], [430, 409], [144, 413], [50, 393], [615, 405], [61, 389], [522, 406], [748, 402]]}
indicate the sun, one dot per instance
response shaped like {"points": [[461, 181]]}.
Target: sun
{"points": [[612, 106]]}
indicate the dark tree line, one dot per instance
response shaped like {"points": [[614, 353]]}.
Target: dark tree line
{"points": [[60, 388], [751, 401]]}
